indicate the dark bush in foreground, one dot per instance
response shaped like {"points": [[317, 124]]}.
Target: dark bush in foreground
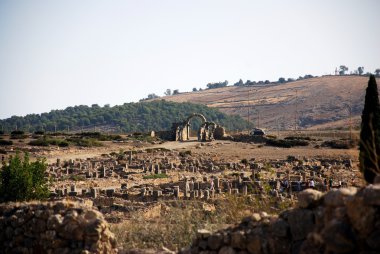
{"points": [[286, 143], [17, 133], [5, 142]]}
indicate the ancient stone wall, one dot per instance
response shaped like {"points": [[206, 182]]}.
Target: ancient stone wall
{"points": [[53, 227], [346, 220]]}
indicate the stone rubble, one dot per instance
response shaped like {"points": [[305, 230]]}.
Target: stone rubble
{"points": [[346, 220], [54, 227]]}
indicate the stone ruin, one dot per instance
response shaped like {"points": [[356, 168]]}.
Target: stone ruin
{"points": [[180, 131], [54, 227], [341, 221], [246, 179]]}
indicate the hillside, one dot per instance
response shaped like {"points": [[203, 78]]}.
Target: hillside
{"points": [[129, 117], [321, 102]]}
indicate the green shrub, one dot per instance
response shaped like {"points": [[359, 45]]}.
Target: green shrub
{"points": [[45, 141], [85, 142], [23, 180], [63, 143], [18, 135], [39, 142]]}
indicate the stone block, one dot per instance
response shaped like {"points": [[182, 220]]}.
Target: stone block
{"points": [[308, 198], [301, 222]]}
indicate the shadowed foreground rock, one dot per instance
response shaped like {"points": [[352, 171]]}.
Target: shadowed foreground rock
{"points": [[53, 227], [346, 220]]}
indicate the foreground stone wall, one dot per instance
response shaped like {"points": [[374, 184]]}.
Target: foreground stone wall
{"points": [[346, 220], [53, 227]]}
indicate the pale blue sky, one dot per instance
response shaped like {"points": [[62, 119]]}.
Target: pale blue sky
{"points": [[55, 54]]}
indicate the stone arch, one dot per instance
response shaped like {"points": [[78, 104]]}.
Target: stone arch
{"points": [[202, 117], [201, 128], [180, 131]]}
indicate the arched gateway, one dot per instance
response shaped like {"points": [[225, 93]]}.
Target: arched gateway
{"points": [[205, 131]]}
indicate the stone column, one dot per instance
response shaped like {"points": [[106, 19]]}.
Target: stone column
{"points": [[94, 193], [130, 158], [196, 185], [176, 191], [245, 190], [212, 193], [143, 191], [206, 194], [217, 183], [157, 194], [157, 169]]}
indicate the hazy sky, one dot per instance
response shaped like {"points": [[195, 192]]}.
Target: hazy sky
{"points": [[55, 54]]}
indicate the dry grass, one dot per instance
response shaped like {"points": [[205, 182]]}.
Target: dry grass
{"points": [[321, 100], [179, 221]]}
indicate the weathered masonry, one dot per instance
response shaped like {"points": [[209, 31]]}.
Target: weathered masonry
{"points": [[207, 131]]}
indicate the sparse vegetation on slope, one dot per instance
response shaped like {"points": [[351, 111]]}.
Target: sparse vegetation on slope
{"points": [[319, 102]]}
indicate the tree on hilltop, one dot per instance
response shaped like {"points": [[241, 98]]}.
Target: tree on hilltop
{"points": [[239, 83], [360, 70], [370, 133], [343, 69], [168, 92], [152, 96], [377, 72]]}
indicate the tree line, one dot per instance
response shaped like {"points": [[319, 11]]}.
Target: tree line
{"points": [[342, 70], [129, 117]]}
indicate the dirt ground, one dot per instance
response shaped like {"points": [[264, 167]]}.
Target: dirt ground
{"points": [[225, 150], [228, 150]]}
